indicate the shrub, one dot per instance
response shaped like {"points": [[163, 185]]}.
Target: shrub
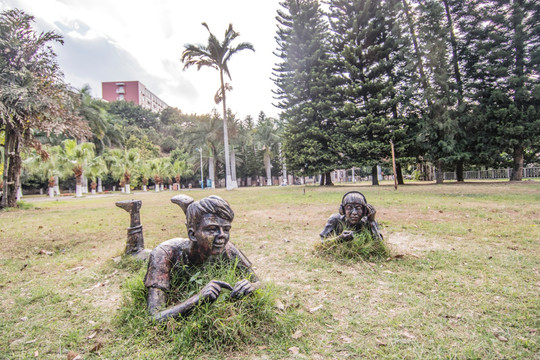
{"points": [[362, 247], [224, 325]]}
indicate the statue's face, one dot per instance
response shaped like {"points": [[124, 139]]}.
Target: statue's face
{"points": [[353, 212], [212, 234]]}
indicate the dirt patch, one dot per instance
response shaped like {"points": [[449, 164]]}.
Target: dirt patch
{"points": [[409, 244]]}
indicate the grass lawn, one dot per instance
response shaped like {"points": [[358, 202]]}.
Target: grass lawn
{"points": [[463, 280]]}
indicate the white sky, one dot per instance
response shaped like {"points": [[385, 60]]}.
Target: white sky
{"points": [[125, 40]]}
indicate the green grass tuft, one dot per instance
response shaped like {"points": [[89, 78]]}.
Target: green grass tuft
{"points": [[361, 247], [222, 326]]}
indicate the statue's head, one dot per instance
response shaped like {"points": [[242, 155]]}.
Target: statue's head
{"points": [[353, 206], [209, 222]]}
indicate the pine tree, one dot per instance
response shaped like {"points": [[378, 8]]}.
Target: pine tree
{"points": [[371, 61], [306, 89], [502, 66]]}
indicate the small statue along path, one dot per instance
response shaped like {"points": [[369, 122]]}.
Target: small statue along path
{"points": [[355, 215]]}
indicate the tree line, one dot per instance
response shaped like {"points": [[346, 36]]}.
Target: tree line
{"points": [[452, 83], [51, 132]]}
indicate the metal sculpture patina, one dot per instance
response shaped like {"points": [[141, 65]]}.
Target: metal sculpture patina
{"points": [[208, 223], [135, 239], [355, 215]]}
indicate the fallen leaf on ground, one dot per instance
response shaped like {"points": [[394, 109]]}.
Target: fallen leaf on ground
{"points": [[408, 335], [72, 355], [280, 305], [45, 252], [117, 259], [294, 350], [380, 343], [76, 268], [297, 335], [98, 345], [96, 286], [36, 353], [92, 335], [501, 338], [346, 339], [262, 347], [312, 310]]}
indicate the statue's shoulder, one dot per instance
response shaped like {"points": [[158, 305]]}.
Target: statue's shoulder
{"points": [[232, 252], [335, 218], [172, 246]]}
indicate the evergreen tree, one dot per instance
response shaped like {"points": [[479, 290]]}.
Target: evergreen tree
{"points": [[306, 89], [502, 66], [370, 56]]}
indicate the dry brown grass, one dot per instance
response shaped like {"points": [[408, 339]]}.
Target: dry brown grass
{"points": [[466, 276]]}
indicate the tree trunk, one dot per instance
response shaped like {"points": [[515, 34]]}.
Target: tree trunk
{"points": [[283, 166], [328, 179], [399, 174], [211, 172], [374, 175], [439, 174], [128, 189], [228, 179], [12, 167], [233, 168], [459, 171], [78, 186], [321, 180], [417, 49], [268, 168], [56, 185], [99, 186], [457, 73], [517, 169]]}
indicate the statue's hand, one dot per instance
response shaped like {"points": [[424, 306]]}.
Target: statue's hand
{"points": [[241, 289], [212, 290], [347, 235]]}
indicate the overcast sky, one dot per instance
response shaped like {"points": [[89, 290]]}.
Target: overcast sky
{"points": [[125, 40]]}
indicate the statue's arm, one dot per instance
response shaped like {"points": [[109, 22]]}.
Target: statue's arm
{"points": [[373, 225], [330, 227], [157, 299], [245, 286]]}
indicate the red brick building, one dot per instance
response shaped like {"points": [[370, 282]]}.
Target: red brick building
{"points": [[133, 91]]}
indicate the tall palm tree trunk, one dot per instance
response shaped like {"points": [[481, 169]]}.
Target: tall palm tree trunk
{"points": [[228, 179], [268, 167], [211, 172], [233, 168]]}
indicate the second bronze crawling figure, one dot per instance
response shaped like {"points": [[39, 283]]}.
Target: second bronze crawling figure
{"points": [[355, 215]]}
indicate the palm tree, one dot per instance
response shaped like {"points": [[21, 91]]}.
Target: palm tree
{"points": [[145, 173], [216, 55], [96, 169], [157, 169], [126, 164], [44, 167], [206, 135], [75, 158], [267, 140], [179, 169]]}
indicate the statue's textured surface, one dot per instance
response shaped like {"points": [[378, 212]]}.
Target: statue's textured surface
{"points": [[355, 215], [208, 223]]}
